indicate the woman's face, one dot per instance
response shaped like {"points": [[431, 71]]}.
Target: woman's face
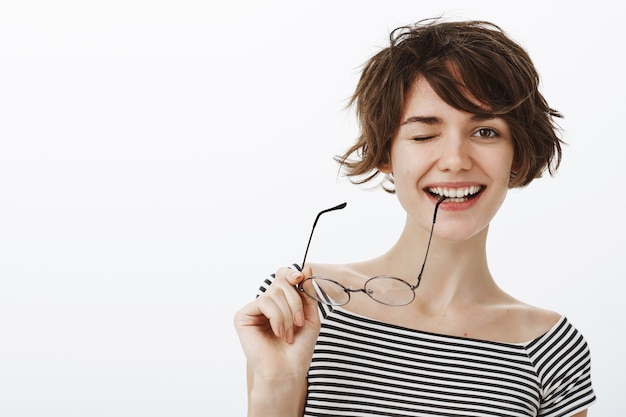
{"points": [[440, 150]]}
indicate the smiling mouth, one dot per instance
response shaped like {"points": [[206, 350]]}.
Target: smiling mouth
{"points": [[456, 195]]}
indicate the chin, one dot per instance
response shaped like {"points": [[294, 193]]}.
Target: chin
{"points": [[460, 232]]}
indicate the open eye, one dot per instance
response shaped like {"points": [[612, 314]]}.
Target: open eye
{"points": [[486, 132]]}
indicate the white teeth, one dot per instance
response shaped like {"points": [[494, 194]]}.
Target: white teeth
{"points": [[455, 193]]}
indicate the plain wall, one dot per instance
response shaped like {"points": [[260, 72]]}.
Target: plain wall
{"points": [[159, 158]]}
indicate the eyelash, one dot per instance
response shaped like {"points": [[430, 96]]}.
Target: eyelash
{"points": [[421, 138], [492, 133]]}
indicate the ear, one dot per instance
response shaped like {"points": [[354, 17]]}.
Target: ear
{"points": [[385, 168]]}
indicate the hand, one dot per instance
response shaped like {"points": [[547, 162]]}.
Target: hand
{"points": [[279, 329]]}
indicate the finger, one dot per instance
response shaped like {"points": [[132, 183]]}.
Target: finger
{"points": [[310, 309], [290, 303], [261, 312], [308, 305], [292, 276], [297, 302], [307, 271]]}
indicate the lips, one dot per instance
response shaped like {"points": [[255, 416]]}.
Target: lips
{"points": [[456, 194]]}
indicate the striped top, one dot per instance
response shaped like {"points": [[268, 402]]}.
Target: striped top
{"points": [[364, 367]]}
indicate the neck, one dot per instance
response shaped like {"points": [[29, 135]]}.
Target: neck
{"points": [[456, 271]]}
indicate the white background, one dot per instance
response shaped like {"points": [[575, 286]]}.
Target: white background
{"points": [[159, 158]]}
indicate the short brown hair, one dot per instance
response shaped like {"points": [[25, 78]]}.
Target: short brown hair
{"points": [[457, 59]]}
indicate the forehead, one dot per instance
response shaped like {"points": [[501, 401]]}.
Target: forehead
{"points": [[421, 96]]}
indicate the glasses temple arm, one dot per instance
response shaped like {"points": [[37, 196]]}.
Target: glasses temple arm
{"points": [[338, 207], [430, 238]]}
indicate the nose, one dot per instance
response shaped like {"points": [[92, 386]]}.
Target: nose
{"points": [[455, 154]]}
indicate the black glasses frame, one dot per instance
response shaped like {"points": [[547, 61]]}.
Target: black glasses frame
{"points": [[365, 290]]}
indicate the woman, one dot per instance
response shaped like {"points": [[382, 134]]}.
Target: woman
{"points": [[451, 116]]}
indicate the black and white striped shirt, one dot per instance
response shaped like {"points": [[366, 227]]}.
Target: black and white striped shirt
{"points": [[364, 367]]}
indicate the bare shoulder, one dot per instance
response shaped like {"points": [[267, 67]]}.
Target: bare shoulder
{"points": [[346, 273], [522, 322]]}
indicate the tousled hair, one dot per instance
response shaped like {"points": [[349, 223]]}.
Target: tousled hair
{"points": [[463, 62]]}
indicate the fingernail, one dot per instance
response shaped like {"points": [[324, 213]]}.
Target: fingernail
{"points": [[295, 275], [289, 336]]}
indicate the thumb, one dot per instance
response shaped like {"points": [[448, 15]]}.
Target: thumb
{"points": [[310, 305], [307, 271], [295, 277]]}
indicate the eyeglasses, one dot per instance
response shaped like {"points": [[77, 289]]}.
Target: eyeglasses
{"points": [[385, 289]]}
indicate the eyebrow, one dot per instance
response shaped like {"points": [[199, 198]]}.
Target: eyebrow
{"points": [[432, 120]]}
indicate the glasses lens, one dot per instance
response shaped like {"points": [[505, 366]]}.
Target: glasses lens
{"points": [[325, 291], [389, 290]]}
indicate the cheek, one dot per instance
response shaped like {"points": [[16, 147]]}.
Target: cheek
{"points": [[407, 160], [505, 176], [503, 165]]}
